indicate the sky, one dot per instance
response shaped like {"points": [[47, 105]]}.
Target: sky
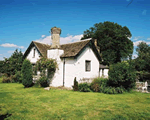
{"points": [[23, 21]]}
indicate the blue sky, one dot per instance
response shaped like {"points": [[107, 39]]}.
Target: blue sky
{"points": [[23, 21]]}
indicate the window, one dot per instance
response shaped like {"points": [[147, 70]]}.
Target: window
{"points": [[87, 65], [34, 70], [34, 52]]}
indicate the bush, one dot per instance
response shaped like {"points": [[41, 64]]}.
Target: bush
{"points": [[43, 81], [27, 73], [98, 84], [7, 80], [18, 76], [143, 76], [122, 75], [75, 87], [84, 87], [113, 90]]}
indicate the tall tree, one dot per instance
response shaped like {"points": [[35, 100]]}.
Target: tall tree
{"points": [[113, 40], [1, 66], [142, 62], [27, 73], [13, 63]]}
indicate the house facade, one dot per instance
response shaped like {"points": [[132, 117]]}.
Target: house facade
{"points": [[79, 59]]}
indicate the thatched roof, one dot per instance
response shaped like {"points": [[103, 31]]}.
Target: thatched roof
{"points": [[70, 49]]}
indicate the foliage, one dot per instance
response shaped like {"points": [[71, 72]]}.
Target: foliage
{"points": [[113, 90], [1, 66], [7, 79], [102, 85], [43, 81], [13, 64], [112, 39], [122, 75], [44, 64], [142, 62], [98, 84], [18, 77], [27, 73], [143, 76], [84, 87], [36, 103], [75, 86]]}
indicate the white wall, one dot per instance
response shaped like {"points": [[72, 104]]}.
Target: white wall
{"points": [[30, 55], [57, 80], [105, 73], [76, 67]]}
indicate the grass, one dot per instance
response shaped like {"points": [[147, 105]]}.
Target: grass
{"points": [[36, 103]]}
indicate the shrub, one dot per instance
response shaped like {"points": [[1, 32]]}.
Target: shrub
{"points": [[75, 87], [98, 84], [26, 73], [113, 90], [18, 77], [43, 81], [122, 75], [6, 79], [84, 87], [143, 76]]}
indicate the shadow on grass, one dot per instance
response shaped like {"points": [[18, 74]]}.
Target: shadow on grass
{"points": [[2, 117]]}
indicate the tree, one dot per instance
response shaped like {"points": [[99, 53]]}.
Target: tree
{"points": [[142, 62], [122, 75], [1, 66], [27, 73], [14, 63], [112, 39]]}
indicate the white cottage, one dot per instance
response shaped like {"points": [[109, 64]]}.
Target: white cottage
{"points": [[78, 59]]}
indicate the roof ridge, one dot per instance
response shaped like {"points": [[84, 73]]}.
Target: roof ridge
{"points": [[67, 43], [42, 43], [77, 41]]}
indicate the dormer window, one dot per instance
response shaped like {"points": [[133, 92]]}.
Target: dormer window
{"points": [[33, 52]]}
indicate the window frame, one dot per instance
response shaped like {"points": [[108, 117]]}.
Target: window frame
{"points": [[86, 65]]}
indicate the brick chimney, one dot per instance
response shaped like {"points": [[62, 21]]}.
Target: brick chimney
{"points": [[55, 36]]}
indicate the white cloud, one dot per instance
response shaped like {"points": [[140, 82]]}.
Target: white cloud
{"points": [[42, 36], [11, 45], [137, 38], [148, 38], [144, 12], [137, 42], [1, 54], [63, 40], [1, 58], [10, 51]]}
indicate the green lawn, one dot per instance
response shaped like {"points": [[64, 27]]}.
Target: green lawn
{"points": [[37, 103]]}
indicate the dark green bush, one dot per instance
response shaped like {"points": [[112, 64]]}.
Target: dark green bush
{"points": [[113, 90], [43, 81], [84, 87], [17, 77], [143, 76], [122, 75], [75, 86], [98, 84], [27, 73]]}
